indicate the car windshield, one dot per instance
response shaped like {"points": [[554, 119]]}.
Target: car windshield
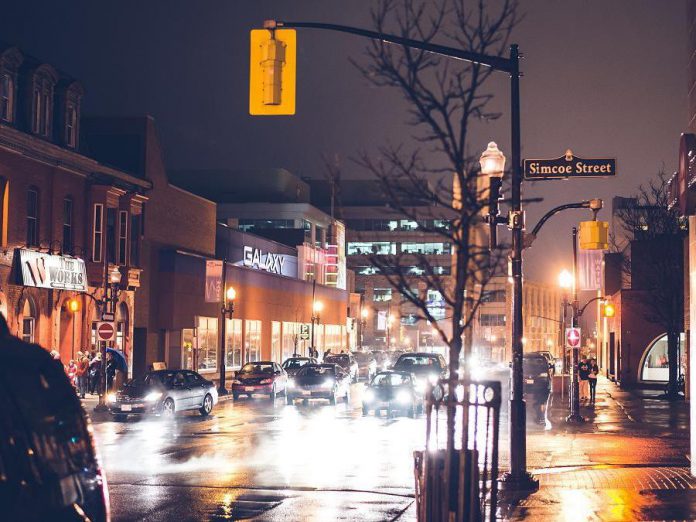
{"points": [[152, 379], [390, 379], [341, 358], [250, 368], [362, 357], [535, 364], [316, 371], [291, 364], [418, 361]]}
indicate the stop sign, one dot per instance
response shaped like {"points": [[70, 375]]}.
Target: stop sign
{"points": [[106, 331], [573, 337]]}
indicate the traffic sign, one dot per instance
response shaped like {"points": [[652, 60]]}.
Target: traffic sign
{"points": [[108, 316], [106, 331], [573, 337], [569, 166], [304, 332]]}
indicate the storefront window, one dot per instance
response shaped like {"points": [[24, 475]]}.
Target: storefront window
{"points": [[187, 348], [276, 354], [233, 343], [28, 321], [252, 340], [207, 343], [656, 363]]}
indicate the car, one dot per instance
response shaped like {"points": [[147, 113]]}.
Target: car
{"points": [[549, 358], [49, 469], [345, 361], [367, 365], [535, 369], [319, 381], [264, 377], [163, 392], [427, 367], [293, 364], [392, 390]]}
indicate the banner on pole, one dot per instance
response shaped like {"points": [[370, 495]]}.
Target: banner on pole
{"points": [[590, 267]]}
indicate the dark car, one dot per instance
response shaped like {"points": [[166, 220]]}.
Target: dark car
{"points": [[319, 381], [367, 365], [392, 390], [293, 364], [427, 367], [264, 377], [48, 464], [537, 379], [163, 392], [549, 358], [345, 361]]}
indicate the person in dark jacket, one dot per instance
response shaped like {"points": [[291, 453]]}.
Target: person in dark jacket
{"points": [[592, 379], [584, 374], [110, 371]]}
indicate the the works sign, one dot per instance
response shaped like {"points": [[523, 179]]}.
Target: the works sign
{"points": [[569, 166], [270, 262], [50, 271]]}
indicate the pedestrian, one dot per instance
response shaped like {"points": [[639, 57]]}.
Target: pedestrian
{"points": [[327, 352], [71, 370], [592, 379], [82, 373], [584, 373], [95, 374], [110, 371]]}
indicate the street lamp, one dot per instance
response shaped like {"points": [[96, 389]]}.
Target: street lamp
{"points": [[317, 307], [492, 163], [74, 307], [109, 302], [226, 310]]}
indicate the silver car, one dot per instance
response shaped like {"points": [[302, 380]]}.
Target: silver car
{"points": [[163, 392]]}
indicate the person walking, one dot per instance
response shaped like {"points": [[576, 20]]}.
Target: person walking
{"points": [[71, 370], [95, 374], [82, 373], [110, 371], [592, 379], [584, 374]]}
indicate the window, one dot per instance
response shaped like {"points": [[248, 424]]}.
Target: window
{"points": [[233, 343], [382, 294], [32, 217], [492, 320], [122, 237], [656, 361], [426, 248], [250, 224], [98, 233], [135, 239], [207, 343], [28, 320], [111, 235], [67, 225], [42, 105], [253, 340], [71, 126], [434, 297], [187, 348], [276, 352], [493, 296], [377, 247], [319, 237], [6, 97]]}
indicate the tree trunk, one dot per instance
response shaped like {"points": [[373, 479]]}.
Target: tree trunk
{"points": [[673, 362], [451, 464]]}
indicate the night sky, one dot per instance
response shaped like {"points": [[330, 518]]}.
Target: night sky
{"points": [[606, 79]]}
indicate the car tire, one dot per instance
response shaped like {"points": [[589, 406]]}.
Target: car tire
{"points": [[207, 405], [168, 407], [120, 417], [272, 396]]}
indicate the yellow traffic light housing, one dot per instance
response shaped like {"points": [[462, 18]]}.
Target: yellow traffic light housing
{"points": [[272, 72], [594, 235], [608, 310]]}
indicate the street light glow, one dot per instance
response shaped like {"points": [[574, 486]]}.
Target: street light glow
{"points": [[231, 293], [364, 313], [317, 307], [565, 279], [492, 161]]}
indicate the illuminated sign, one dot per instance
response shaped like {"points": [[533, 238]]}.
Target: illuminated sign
{"points": [[569, 166], [280, 264], [50, 271]]}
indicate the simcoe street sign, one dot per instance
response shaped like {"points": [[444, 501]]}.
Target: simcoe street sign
{"points": [[569, 166]]}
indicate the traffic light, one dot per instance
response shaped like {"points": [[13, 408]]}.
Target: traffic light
{"points": [[594, 235], [608, 310], [272, 72]]}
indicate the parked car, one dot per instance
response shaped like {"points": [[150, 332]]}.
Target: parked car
{"points": [[293, 364], [264, 377], [537, 379], [367, 365], [427, 367], [319, 381], [392, 390], [345, 361], [549, 358], [49, 469], [163, 392]]}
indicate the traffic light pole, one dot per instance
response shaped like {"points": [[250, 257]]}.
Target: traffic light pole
{"points": [[575, 382]]}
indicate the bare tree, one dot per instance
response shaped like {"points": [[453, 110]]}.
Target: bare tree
{"points": [[438, 177], [653, 262]]}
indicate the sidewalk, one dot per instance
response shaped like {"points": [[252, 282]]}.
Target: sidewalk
{"points": [[628, 461]]}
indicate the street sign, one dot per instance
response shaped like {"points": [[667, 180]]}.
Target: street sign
{"points": [[569, 166], [108, 316], [573, 337], [106, 331], [304, 332]]}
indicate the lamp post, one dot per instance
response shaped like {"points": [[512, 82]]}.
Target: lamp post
{"points": [[74, 307], [108, 303], [575, 383], [317, 307], [565, 282], [227, 310], [363, 322]]}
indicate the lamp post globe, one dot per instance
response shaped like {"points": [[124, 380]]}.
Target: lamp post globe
{"points": [[492, 161], [230, 293]]}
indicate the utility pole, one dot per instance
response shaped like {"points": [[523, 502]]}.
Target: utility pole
{"points": [[575, 383]]}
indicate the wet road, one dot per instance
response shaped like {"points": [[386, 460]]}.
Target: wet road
{"points": [[271, 461]]}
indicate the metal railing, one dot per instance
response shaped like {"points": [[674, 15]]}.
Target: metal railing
{"points": [[457, 474]]}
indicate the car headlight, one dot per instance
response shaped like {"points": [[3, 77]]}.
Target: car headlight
{"points": [[543, 374], [328, 383], [111, 397], [152, 396], [403, 397], [291, 383], [369, 396], [266, 381]]}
